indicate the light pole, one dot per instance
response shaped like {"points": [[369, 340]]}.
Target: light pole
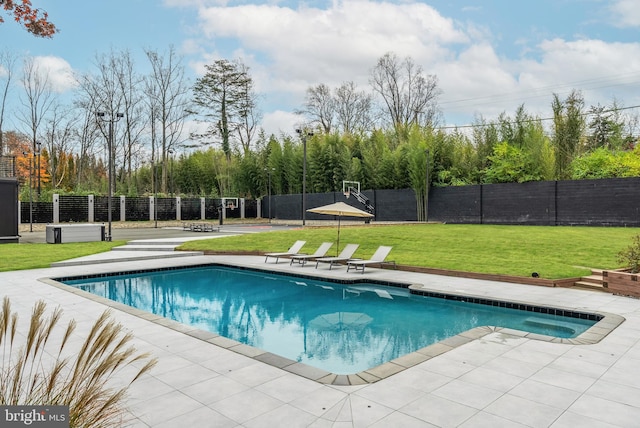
{"points": [[426, 194], [110, 120], [304, 135], [269, 170], [155, 192], [37, 153], [30, 190], [171, 171]]}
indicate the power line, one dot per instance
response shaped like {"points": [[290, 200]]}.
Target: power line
{"points": [[544, 119], [601, 82]]}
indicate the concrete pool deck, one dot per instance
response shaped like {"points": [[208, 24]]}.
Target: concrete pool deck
{"points": [[496, 380]]}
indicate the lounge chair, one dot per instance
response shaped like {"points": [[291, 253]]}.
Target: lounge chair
{"points": [[378, 258], [345, 255], [295, 249], [302, 259]]}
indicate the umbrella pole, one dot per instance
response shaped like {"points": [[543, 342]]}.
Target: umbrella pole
{"points": [[338, 249]]}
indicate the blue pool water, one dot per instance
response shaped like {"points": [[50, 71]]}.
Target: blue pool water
{"points": [[341, 328]]}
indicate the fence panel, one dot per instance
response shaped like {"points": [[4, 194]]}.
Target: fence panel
{"points": [[457, 204], [74, 209], [137, 209], [610, 202], [519, 203], [190, 209], [101, 208], [42, 212]]}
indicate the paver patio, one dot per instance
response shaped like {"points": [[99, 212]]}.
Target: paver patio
{"points": [[497, 380]]}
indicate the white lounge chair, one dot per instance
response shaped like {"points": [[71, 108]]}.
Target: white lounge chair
{"points": [[345, 255], [295, 249], [302, 259], [378, 258]]}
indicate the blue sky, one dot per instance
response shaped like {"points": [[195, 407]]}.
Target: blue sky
{"points": [[489, 55]]}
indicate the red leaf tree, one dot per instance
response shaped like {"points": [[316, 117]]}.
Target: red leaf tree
{"points": [[35, 21]]}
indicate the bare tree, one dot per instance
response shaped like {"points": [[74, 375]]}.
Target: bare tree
{"points": [[37, 101], [167, 92], [249, 114], [7, 66], [410, 96], [103, 92], [87, 130], [58, 137], [319, 107], [632, 129], [353, 108], [129, 86]]}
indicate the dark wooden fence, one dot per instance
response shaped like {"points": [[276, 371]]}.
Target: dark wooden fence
{"points": [[609, 202]]}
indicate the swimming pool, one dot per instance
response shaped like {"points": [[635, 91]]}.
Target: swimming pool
{"points": [[342, 327]]}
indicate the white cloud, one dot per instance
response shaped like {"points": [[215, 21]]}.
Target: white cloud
{"points": [[58, 72], [280, 122], [479, 81], [597, 67], [626, 13], [289, 50], [470, 82], [311, 45]]}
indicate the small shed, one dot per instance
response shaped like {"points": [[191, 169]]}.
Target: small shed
{"points": [[9, 210]]}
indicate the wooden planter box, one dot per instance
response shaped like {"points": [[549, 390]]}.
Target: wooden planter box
{"points": [[624, 283]]}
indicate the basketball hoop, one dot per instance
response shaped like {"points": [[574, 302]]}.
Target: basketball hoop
{"points": [[348, 185], [231, 206]]}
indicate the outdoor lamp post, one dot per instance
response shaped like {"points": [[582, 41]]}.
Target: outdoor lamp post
{"points": [[170, 151], [30, 191], [426, 194], [37, 153], [110, 119], [304, 135], [154, 172], [269, 171]]}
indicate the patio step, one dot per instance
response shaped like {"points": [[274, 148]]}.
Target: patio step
{"points": [[145, 247], [124, 256], [592, 282]]}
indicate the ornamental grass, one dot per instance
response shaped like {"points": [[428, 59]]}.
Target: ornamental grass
{"points": [[44, 368]]}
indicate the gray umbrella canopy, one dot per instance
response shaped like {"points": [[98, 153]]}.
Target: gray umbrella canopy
{"points": [[340, 321], [340, 209]]}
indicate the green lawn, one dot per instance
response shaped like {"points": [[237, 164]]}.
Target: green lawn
{"points": [[554, 252], [33, 256]]}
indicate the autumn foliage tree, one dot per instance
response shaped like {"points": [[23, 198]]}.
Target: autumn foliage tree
{"points": [[18, 145], [35, 21]]}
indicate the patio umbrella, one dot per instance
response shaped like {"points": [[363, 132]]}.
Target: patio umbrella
{"points": [[340, 209]]}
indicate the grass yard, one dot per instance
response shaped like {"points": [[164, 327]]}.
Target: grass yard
{"points": [[554, 252], [34, 256]]}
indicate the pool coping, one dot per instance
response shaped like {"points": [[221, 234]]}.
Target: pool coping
{"points": [[607, 323]]}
